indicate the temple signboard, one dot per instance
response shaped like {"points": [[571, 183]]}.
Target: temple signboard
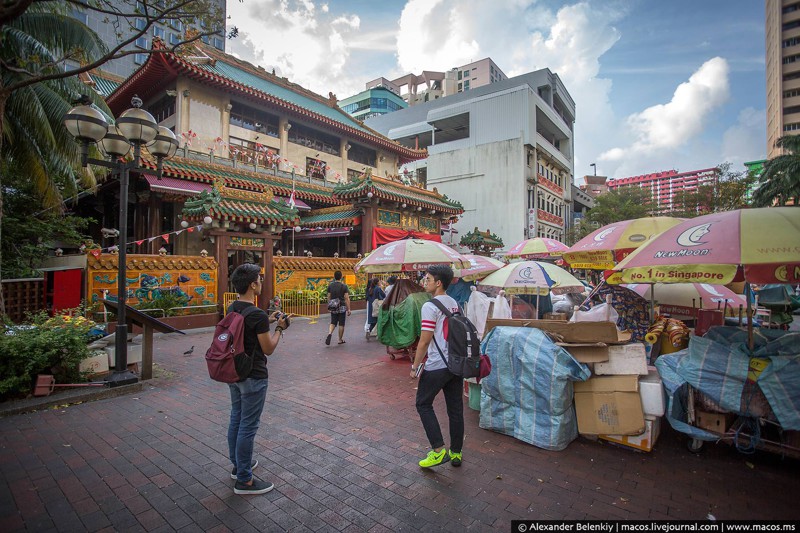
{"points": [[247, 242]]}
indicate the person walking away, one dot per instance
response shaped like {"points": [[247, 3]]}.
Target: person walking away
{"points": [[435, 376], [248, 396], [391, 280], [374, 293], [337, 290]]}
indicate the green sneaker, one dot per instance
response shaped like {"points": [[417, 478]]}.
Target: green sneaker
{"points": [[455, 458], [435, 459]]}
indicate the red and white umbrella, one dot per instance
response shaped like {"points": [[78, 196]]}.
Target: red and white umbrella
{"points": [[411, 255], [537, 248], [480, 266], [684, 298]]}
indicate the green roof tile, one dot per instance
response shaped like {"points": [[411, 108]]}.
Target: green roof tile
{"points": [[103, 86], [343, 218]]}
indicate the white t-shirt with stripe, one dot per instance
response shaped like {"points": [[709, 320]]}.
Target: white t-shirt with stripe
{"points": [[434, 320]]}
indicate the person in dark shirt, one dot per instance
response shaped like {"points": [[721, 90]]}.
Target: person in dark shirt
{"points": [[375, 295], [337, 290], [248, 395]]}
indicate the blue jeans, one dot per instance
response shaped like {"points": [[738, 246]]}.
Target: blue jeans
{"points": [[247, 404]]}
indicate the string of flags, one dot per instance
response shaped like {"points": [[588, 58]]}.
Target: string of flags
{"points": [[165, 236]]}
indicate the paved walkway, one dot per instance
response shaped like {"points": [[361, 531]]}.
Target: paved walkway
{"points": [[340, 439]]}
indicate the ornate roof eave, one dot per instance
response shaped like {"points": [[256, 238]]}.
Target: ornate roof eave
{"points": [[332, 217], [212, 203], [163, 62], [478, 238], [241, 178], [388, 190]]}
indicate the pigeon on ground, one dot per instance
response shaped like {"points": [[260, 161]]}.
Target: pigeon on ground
{"points": [[190, 351]]}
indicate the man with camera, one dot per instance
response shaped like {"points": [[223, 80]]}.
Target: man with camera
{"points": [[248, 395]]}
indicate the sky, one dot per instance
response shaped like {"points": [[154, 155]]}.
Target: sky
{"points": [[657, 85]]}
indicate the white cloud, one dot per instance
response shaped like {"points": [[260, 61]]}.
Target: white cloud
{"points": [[664, 128], [303, 40], [744, 141]]}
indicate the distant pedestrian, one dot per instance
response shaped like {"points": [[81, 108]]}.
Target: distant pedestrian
{"points": [[248, 395], [338, 305], [391, 280], [374, 295], [436, 377]]}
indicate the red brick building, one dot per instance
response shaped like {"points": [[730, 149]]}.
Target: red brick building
{"points": [[665, 186]]}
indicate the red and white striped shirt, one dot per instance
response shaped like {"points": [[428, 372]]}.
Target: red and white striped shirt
{"points": [[434, 320]]}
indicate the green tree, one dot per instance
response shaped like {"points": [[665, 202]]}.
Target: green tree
{"points": [[625, 203], [37, 39], [728, 192], [780, 180]]}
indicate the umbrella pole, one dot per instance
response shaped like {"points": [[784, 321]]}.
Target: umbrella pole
{"points": [[537, 306], [652, 305], [747, 293]]}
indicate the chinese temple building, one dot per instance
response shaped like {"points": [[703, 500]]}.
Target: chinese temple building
{"points": [[481, 242]]}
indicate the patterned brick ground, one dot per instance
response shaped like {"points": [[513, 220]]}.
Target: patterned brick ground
{"points": [[340, 439]]}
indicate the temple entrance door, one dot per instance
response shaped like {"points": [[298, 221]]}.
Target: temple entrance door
{"points": [[239, 257]]}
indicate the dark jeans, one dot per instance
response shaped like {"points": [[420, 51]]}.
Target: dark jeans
{"points": [[430, 383], [247, 404]]}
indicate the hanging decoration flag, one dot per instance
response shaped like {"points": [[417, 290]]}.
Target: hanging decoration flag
{"points": [[151, 239], [292, 202], [178, 232], [96, 253], [139, 243], [165, 237]]}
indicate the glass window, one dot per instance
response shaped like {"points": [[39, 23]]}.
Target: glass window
{"points": [[159, 32], [81, 16], [362, 154], [314, 139], [316, 168], [219, 43], [140, 24], [141, 42], [174, 39], [459, 74], [206, 39], [139, 58], [176, 24]]}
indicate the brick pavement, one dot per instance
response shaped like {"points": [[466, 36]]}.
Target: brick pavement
{"points": [[340, 439]]}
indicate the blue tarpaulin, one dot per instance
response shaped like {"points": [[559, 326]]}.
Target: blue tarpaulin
{"points": [[717, 365], [528, 394]]}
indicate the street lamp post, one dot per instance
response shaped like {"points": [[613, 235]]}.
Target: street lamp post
{"points": [[135, 127]]}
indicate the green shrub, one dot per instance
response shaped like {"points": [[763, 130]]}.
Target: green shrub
{"points": [[47, 345], [166, 302]]}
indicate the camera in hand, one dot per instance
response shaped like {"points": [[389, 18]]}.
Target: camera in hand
{"points": [[285, 318]]}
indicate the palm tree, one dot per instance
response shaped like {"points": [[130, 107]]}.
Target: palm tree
{"points": [[780, 180], [33, 136]]}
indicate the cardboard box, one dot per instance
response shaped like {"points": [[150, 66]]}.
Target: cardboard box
{"points": [[571, 332], [587, 352], [625, 359], [652, 392], [609, 406], [555, 316], [94, 365], [645, 441], [715, 422]]}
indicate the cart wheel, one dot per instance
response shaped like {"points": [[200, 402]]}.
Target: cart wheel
{"points": [[695, 445], [391, 356]]}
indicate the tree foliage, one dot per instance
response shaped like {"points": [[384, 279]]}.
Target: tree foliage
{"points": [[29, 236], [780, 180], [730, 191], [624, 203]]}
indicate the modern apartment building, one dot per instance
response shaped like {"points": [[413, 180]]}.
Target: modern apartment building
{"points": [[665, 186], [377, 99], [113, 29], [504, 149], [783, 71], [431, 85]]}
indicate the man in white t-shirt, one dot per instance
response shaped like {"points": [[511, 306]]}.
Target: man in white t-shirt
{"points": [[436, 377]]}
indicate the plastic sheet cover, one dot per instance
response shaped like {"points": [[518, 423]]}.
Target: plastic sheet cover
{"points": [[528, 394], [717, 365], [401, 325]]}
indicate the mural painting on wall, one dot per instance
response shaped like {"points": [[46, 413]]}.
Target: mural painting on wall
{"points": [[150, 277], [312, 273], [429, 225]]}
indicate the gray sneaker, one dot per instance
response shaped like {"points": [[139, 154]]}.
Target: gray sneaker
{"points": [[258, 487], [253, 466]]}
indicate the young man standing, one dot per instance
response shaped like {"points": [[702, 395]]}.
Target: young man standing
{"points": [[339, 291], [248, 395], [436, 377]]}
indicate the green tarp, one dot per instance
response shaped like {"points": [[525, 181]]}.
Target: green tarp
{"points": [[400, 325]]}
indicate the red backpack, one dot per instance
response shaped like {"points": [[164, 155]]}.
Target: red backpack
{"points": [[227, 361]]}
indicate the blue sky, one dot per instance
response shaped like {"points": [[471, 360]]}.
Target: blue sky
{"points": [[658, 85]]}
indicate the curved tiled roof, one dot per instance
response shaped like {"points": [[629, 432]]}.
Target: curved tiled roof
{"points": [[151, 262], [477, 238], [314, 263], [232, 75], [397, 192], [332, 217], [235, 205], [190, 169]]}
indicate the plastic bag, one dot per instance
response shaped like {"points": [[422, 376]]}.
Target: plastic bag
{"points": [[598, 313], [477, 310], [501, 307]]}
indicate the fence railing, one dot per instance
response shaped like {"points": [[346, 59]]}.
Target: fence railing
{"points": [[303, 303], [228, 298], [23, 296]]}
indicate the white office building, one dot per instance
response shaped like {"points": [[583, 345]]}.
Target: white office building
{"points": [[504, 150]]}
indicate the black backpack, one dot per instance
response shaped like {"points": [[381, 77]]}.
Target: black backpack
{"points": [[463, 345]]}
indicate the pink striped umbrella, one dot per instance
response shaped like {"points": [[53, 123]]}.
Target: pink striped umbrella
{"points": [[538, 248]]}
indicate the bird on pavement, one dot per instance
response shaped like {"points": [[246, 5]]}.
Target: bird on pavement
{"points": [[190, 351]]}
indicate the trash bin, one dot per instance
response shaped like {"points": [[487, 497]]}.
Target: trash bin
{"points": [[475, 396]]}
